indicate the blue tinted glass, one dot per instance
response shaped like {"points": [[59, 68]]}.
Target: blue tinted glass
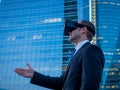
{"points": [[30, 31]]}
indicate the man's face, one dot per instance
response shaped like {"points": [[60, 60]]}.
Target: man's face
{"points": [[74, 35]]}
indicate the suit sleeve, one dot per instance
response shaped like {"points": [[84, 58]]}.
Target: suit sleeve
{"points": [[92, 68], [47, 81]]}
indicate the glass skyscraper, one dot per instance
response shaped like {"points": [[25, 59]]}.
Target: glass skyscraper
{"points": [[108, 39], [33, 31], [30, 31], [106, 18], [70, 13]]}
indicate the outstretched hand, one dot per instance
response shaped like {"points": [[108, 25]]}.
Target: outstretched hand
{"points": [[25, 72]]}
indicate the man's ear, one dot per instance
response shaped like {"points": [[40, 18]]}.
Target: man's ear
{"points": [[84, 30]]}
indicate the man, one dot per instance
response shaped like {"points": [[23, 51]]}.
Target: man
{"points": [[84, 71]]}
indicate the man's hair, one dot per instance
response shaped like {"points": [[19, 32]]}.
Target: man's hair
{"points": [[89, 35], [90, 28]]}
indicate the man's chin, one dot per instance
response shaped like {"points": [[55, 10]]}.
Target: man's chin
{"points": [[70, 40]]}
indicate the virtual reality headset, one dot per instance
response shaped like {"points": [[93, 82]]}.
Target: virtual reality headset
{"points": [[69, 26]]}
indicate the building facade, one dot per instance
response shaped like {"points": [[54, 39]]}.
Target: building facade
{"points": [[108, 38], [30, 31], [70, 13], [106, 18]]}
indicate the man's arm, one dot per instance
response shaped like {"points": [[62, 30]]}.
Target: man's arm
{"points": [[92, 68], [47, 81]]}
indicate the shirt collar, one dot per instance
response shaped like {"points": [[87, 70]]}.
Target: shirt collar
{"points": [[81, 44]]}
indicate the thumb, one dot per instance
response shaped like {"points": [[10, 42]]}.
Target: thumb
{"points": [[28, 66]]}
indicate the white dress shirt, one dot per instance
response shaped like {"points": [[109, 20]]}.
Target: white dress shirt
{"points": [[80, 45]]}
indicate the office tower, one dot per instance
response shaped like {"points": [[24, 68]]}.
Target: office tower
{"points": [[30, 31], [107, 37], [70, 13], [33, 31], [108, 32]]}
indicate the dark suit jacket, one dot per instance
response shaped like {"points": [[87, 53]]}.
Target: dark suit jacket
{"points": [[84, 72]]}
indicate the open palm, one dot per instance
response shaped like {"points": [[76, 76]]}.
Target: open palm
{"points": [[25, 72]]}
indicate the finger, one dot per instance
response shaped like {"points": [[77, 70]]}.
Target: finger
{"points": [[19, 70], [28, 66]]}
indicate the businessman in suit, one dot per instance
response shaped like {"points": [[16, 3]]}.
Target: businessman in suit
{"points": [[84, 71]]}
